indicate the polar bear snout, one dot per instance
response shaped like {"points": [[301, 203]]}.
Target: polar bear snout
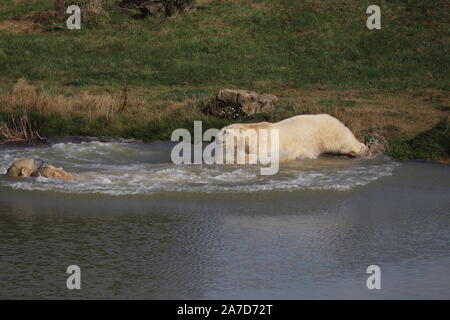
{"points": [[364, 149], [360, 151]]}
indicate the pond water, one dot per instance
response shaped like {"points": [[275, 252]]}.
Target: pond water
{"points": [[140, 227]]}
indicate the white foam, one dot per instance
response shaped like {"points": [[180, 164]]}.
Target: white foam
{"points": [[103, 168]]}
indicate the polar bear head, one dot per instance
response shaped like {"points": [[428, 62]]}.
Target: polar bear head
{"points": [[246, 132], [24, 168], [359, 150]]}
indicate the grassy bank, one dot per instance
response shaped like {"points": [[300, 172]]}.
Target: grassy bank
{"points": [[432, 144], [142, 78]]}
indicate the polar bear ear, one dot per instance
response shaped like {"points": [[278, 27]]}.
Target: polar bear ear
{"points": [[38, 163], [21, 172]]}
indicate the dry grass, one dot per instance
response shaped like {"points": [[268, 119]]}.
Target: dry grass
{"points": [[25, 97], [404, 113], [18, 26], [382, 114], [93, 12], [19, 130], [90, 8]]}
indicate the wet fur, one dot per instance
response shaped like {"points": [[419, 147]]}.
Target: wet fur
{"points": [[25, 168]]}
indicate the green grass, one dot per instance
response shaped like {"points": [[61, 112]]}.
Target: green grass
{"points": [[337, 102], [432, 144], [128, 127], [241, 44], [273, 46]]}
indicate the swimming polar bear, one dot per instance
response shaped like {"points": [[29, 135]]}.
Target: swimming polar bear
{"points": [[25, 168], [301, 137]]}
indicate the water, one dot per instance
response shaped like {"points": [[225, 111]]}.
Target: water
{"points": [[143, 169], [140, 227]]}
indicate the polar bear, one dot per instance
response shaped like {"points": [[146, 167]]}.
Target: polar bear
{"points": [[25, 168], [301, 137]]}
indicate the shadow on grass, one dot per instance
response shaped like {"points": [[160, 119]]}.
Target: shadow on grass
{"points": [[432, 144]]}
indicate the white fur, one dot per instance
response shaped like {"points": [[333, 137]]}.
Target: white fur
{"points": [[308, 136]]}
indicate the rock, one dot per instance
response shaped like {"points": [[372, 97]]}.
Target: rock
{"points": [[159, 8], [235, 104]]}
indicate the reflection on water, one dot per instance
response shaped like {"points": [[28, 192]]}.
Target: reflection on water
{"points": [[291, 241]]}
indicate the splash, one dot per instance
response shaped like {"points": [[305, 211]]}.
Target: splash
{"points": [[138, 169]]}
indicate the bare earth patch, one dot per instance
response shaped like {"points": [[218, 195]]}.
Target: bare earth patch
{"points": [[19, 26]]}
